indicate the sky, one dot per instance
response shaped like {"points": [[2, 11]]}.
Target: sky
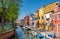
{"points": [[32, 6]]}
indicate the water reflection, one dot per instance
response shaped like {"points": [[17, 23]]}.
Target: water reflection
{"points": [[20, 33]]}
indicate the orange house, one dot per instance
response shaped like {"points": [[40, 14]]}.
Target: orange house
{"points": [[56, 19], [50, 7], [37, 16]]}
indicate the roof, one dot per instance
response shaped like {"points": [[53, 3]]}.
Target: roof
{"points": [[50, 7]]}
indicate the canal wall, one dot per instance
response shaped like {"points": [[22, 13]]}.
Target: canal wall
{"points": [[7, 34]]}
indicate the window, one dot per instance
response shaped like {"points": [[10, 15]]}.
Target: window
{"points": [[53, 26], [35, 18], [50, 15], [53, 17], [38, 17], [59, 16], [58, 24], [56, 3], [42, 17], [58, 27]]}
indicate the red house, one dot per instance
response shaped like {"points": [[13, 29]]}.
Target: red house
{"points": [[56, 19], [27, 20]]}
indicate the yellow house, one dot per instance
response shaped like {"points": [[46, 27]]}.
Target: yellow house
{"points": [[45, 10], [50, 7], [41, 14], [41, 18]]}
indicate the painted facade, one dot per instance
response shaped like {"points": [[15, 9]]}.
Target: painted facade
{"points": [[56, 22], [48, 21], [57, 8], [41, 18], [37, 14], [27, 21], [37, 20], [50, 7], [47, 15], [41, 14], [22, 22], [56, 19], [32, 20]]}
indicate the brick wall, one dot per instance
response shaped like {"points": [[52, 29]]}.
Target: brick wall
{"points": [[7, 34]]}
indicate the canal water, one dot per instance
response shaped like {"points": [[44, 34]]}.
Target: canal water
{"points": [[20, 34]]}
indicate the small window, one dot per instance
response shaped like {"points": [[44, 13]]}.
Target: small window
{"points": [[42, 17], [42, 10], [50, 15], [53, 17], [59, 16], [35, 18], [53, 26], [56, 3], [58, 24], [38, 17]]}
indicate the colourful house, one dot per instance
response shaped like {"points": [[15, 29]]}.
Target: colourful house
{"points": [[27, 21], [41, 18], [50, 7], [37, 14], [56, 22], [48, 21], [57, 8], [37, 20], [32, 19], [56, 19], [41, 14], [47, 15]]}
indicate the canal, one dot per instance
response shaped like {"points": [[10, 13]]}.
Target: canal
{"points": [[20, 34]]}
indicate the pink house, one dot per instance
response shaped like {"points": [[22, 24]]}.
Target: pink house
{"points": [[56, 19]]}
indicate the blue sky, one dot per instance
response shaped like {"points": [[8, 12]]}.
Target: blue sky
{"points": [[32, 6]]}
